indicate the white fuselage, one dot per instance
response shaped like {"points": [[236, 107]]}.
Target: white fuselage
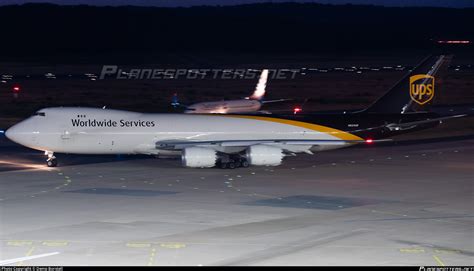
{"points": [[224, 107], [105, 131]]}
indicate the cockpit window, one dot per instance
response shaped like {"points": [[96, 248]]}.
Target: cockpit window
{"points": [[42, 114]]}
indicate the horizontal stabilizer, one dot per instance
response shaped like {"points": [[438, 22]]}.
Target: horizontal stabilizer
{"points": [[276, 101]]}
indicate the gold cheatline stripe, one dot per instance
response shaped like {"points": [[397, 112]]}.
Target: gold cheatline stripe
{"points": [[318, 128]]}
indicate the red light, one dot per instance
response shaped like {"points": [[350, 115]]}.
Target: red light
{"points": [[16, 89], [296, 110], [369, 141]]}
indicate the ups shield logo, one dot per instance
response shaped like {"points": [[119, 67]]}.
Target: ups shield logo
{"points": [[422, 88]]}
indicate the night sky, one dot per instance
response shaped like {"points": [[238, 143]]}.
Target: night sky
{"points": [[175, 3]]}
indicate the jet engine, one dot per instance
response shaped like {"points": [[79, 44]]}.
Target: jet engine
{"points": [[198, 157], [262, 155]]}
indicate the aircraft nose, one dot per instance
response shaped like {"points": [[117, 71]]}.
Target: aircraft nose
{"points": [[17, 134], [9, 133]]}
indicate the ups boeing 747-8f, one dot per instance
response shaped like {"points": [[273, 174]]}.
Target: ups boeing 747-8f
{"points": [[228, 140]]}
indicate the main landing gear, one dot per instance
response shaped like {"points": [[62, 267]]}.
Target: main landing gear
{"points": [[232, 162], [51, 161]]}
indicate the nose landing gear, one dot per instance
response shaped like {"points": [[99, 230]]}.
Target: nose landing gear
{"points": [[51, 161]]}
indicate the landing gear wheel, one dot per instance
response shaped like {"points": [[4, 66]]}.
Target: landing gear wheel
{"points": [[245, 163], [52, 162], [231, 165]]}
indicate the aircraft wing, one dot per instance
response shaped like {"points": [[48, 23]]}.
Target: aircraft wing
{"points": [[178, 145], [406, 125], [181, 144]]}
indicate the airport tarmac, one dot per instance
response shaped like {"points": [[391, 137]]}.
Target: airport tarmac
{"points": [[395, 204]]}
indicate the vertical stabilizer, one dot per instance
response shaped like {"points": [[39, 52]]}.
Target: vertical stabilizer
{"points": [[260, 88], [416, 91]]}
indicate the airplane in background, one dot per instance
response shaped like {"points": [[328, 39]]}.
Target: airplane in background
{"points": [[247, 105], [233, 140]]}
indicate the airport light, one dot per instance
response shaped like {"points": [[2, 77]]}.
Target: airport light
{"points": [[455, 41], [297, 110]]}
